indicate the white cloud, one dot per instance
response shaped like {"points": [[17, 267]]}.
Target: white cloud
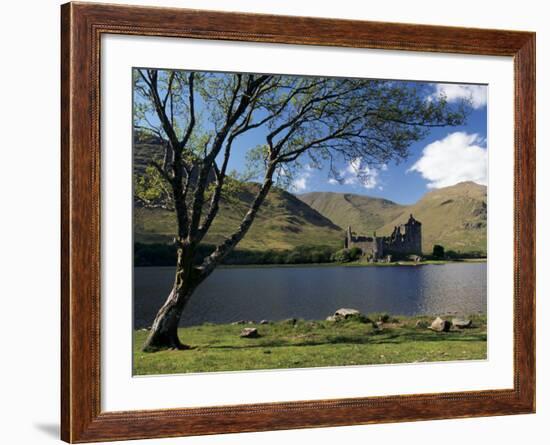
{"points": [[456, 158], [332, 181], [357, 174], [455, 92], [299, 184]]}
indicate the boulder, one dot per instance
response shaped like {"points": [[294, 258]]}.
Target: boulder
{"points": [[346, 313], [250, 333], [264, 322], [239, 322], [440, 325], [461, 323]]}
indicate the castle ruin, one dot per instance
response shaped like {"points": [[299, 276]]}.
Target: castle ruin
{"points": [[406, 239]]}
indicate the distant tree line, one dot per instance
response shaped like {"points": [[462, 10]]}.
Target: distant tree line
{"points": [[158, 254], [458, 255], [164, 255], [439, 253], [346, 255]]}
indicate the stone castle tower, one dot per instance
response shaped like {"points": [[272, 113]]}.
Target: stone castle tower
{"points": [[406, 239]]}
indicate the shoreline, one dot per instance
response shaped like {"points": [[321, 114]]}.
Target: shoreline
{"points": [[372, 315], [350, 264], [354, 264]]}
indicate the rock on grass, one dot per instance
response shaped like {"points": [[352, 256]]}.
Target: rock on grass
{"points": [[348, 314], [461, 323], [250, 333], [440, 325]]}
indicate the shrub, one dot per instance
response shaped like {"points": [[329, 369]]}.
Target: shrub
{"points": [[355, 253], [438, 251], [341, 256], [294, 258]]}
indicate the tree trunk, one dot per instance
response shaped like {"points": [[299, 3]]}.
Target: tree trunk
{"points": [[164, 331]]}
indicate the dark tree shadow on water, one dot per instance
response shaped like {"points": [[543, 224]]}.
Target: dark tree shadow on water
{"points": [[49, 429]]}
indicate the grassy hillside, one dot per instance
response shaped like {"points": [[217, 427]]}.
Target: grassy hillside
{"points": [[455, 216], [283, 222], [365, 214]]}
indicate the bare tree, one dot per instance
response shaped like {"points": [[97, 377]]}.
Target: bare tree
{"points": [[199, 117]]}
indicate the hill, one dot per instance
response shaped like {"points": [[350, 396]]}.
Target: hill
{"points": [[364, 213], [283, 222], [454, 216]]}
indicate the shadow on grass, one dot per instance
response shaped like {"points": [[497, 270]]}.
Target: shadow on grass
{"points": [[371, 338]]}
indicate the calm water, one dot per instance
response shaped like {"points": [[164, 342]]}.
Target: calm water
{"points": [[315, 292]]}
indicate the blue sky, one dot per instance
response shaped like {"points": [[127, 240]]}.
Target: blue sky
{"points": [[446, 156]]}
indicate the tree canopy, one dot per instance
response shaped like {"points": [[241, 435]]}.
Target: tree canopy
{"points": [[199, 118]]}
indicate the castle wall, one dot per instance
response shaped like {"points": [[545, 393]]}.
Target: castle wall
{"points": [[405, 239], [370, 246]]}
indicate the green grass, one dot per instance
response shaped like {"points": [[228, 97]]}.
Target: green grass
{"points": [[311, 344]]}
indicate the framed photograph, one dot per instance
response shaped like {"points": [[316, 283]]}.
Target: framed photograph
{"points": [[275, 222]]}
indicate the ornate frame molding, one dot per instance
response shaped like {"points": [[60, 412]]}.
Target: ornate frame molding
{"points": [[82, 25]]}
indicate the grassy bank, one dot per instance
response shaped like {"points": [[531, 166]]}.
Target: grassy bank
{"points": [[413, 263], [312, 344], [355, 264]]}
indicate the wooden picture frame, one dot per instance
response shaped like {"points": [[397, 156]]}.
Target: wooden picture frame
{"points": [[82, 26]]}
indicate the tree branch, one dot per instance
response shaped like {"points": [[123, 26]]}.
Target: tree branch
{"points": [[215, 200], [160, 110], [192, 121], [223, 249], [198, 201]]}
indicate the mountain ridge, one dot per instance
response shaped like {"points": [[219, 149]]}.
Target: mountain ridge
{"points": [[453, 216]]}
